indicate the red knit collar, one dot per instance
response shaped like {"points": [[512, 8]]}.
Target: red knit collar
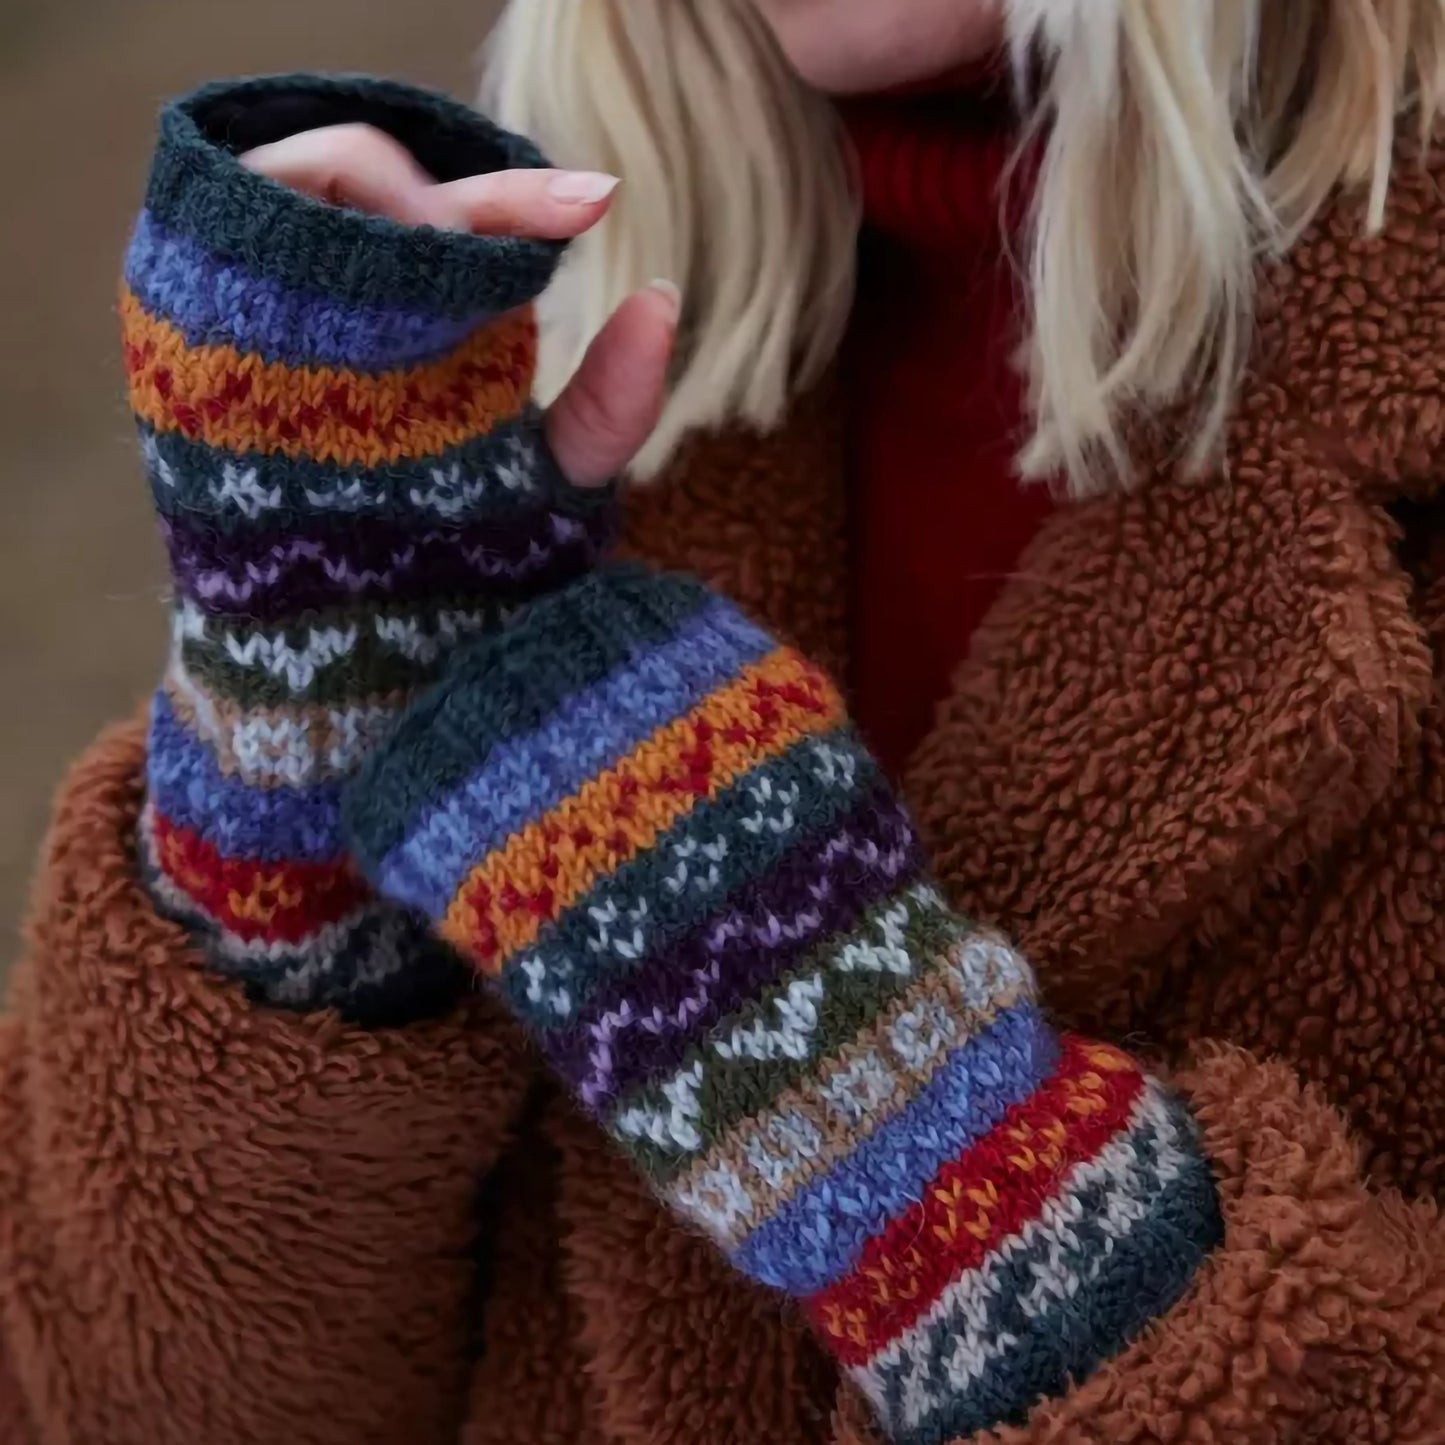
{"points": [[934, 167]]}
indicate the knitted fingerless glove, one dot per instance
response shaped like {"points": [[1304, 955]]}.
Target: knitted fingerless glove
{"points": [[654, 830], [350, 475]]}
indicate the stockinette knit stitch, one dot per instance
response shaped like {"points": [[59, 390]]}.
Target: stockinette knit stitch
{"points": [[654, 830], [350, 476]]}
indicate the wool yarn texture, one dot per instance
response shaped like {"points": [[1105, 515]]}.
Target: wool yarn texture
{"points": [[654, 830], [351, 478]]}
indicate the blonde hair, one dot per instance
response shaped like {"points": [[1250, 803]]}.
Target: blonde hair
{"points": [[1179, 142]]}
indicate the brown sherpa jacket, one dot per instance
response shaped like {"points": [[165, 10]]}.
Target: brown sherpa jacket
{"points": [[1195, 762]]}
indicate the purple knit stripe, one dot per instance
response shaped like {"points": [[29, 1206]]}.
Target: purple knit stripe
{"points": [[644, 1024], [526, 777], [185, 784], [326, 562], [219, 303]]}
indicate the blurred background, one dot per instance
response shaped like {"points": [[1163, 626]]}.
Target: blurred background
{"points": [[82, 627]]}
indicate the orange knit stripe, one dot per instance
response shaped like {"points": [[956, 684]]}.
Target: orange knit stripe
{"points": [[236, 401], [548, 866]]}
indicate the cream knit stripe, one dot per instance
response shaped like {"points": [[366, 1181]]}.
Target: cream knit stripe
{"points": [[766, 1159], [282, 747]]}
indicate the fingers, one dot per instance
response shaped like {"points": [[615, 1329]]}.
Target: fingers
{"points": [[546, 205], [349, 165], [364, 168], [608, 410]]}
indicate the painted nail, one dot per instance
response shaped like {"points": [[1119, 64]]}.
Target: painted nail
{"points": [[671, 291], [581, 188]]}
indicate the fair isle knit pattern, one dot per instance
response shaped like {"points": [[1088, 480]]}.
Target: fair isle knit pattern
{"points": [[350, 477], [653, 828]]}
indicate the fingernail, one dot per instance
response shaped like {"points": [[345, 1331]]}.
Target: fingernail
{"points": [[581, 188], [671, 291]]}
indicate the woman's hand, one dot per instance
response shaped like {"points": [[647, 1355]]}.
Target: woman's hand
{"points": [[609, 408]]}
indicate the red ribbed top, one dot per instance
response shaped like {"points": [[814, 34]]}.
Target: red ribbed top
{"points": [[935, 407]]}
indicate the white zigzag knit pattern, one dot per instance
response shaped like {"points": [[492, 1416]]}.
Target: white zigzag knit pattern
{"points": [[790, 1038], [671, 1126], [782, 1146], [314, 744], [971, 1343], [298, 663], [454, 491]]}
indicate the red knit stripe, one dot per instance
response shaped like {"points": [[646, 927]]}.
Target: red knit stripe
{"points": [[237, 402], [258, 901], [978, 1201]]}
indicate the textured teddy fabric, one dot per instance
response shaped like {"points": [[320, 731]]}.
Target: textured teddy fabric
{"points": [[1196, 753], [223, 1222], [1191, 711], [218, 1221]]}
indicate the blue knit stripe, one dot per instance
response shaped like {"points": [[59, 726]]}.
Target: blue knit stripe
{"points": [[818, 1236], [525, 777], [1059, 1302], [221, 303], [279, 824]]}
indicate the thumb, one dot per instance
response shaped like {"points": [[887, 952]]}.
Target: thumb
{"points": [[608, 410]]}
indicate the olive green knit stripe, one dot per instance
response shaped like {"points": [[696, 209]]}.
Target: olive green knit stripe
{"points": [[834, 1108], [735, 1089], [370, 666]]}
